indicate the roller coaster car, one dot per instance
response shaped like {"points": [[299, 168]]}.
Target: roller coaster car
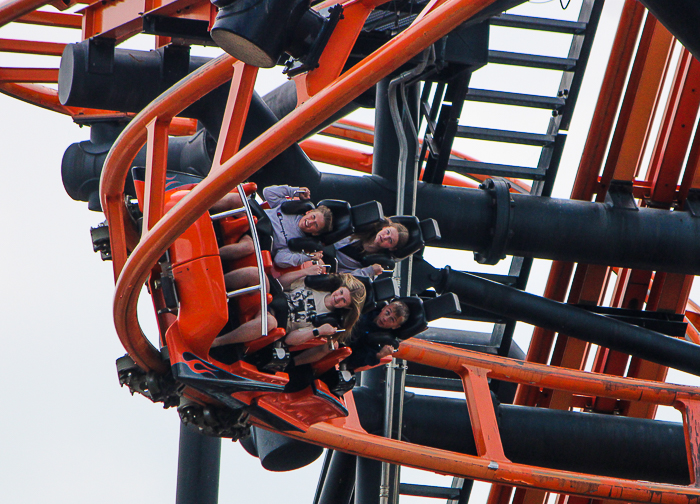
{"points": [[190, 298]]}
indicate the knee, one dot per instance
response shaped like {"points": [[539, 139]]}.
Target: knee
{"points": [[271, 322]]}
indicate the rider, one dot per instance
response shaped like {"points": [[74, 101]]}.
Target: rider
{"points": [[364, 351], [287, 226], [383, 236]]}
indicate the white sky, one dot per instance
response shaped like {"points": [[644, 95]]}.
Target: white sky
{"points": [[68, 431]]}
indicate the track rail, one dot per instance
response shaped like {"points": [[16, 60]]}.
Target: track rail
{"points": [[490, 464]]}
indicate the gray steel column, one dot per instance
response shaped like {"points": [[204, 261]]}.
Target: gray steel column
{"points": [[198, 466]]}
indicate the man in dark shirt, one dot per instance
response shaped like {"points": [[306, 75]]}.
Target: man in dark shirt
{"points": [[384, 320]]}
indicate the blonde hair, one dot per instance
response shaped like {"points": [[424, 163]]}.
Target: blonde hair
{"points": [[357, 301]]}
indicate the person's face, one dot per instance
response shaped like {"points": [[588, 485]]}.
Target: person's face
{"points": [[387, 238], [341, 298], [312, 222], [387, 318]]}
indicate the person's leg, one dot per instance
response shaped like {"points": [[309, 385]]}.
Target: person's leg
{"points": [[249, 331], [234, 251], [312, 355], [229, 202], [243, 277]]}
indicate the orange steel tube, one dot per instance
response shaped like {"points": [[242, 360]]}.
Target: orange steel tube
{"points": [[156, 168], [240, 95], [36, 94], [263, 149], [32, 47], [47, 98], [13, 9], [487, 438], [362, 161], [29, 75], [55, 19], [468, 466], [541, 375]]}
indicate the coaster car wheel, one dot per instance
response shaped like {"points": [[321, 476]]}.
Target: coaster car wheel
{"points": [[216, 422], [158, 388]]}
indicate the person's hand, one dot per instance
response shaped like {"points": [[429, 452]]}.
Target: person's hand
{"points": [[316, 256], [314, 269], [304, 193], [385, 351], [377, 269], [326, 330]]}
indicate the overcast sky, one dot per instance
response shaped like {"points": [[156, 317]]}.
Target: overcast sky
{"points": [[68, 431]]}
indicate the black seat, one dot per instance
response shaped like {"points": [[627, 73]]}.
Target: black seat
{"points": [[379, 292]]}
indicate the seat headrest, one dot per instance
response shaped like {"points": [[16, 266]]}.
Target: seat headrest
{"points": [[296, 207], [334, 318], [378, 292], [325, 283], [367, 214], [441, 306]]}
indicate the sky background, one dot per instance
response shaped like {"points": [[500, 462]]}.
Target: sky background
{"points": [[67, 430]]}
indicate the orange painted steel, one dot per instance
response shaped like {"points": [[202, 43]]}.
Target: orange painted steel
{"points": [[337, 50], [31, 47], [639, 105], [55, 19], [240, 95], [362, 161], [267, 146], [676, 131], [542, 375], [156, 172], [481, 413], [120, 20], [346, 129], [13, 9], [41, 96], [29, 75], [47, 98], [337, 155], [592, 158], [490, 465], [608, 100]]}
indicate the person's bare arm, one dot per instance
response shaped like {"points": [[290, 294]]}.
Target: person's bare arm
{"points": [[299, 336], [289, 278]]}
